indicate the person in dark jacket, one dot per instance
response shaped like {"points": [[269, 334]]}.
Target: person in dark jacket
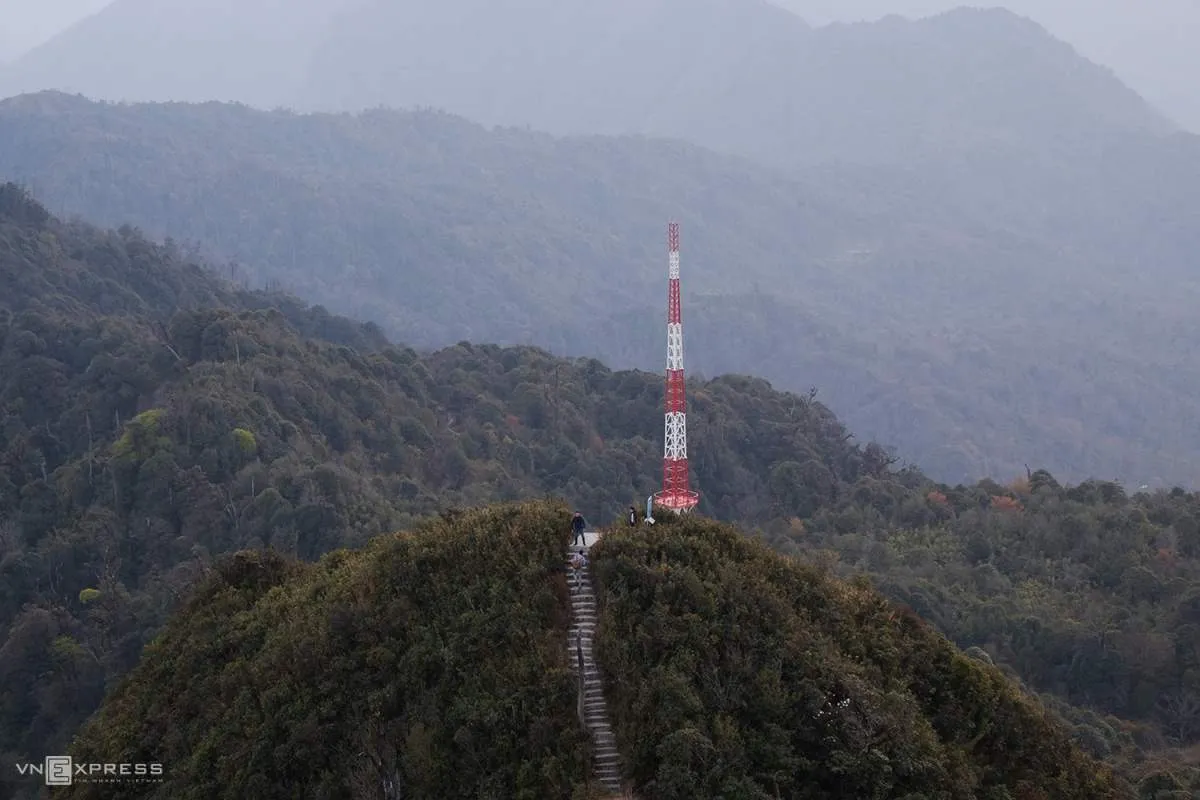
{"points": [[578, 523], [632, 517]]}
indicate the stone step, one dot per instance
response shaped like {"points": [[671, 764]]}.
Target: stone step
{"points": [[581, 632]]}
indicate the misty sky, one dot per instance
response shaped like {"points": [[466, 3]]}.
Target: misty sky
{"points": [[26, 23], [1151, 45]]}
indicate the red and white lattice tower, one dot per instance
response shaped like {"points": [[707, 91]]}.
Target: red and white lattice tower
{"points": [[675, 494]]}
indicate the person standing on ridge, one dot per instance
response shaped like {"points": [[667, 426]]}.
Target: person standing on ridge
{"points": [[578, 523], [632, 517]]}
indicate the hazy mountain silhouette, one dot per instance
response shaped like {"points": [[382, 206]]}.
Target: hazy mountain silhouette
{"points": [[742, 76], [251, 52], [1151, 46], [1038, 317]]}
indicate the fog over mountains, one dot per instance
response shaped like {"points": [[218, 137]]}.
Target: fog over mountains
{"points": [[1043, 316], [1149, 46], [980, 245], [976, 247], [742, 76], [25, 24]]}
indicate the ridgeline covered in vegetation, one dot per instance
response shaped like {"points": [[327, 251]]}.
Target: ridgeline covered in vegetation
{"points": [[138, 443], [155, 417], [904, 295], [436, 661], [1085, 593], [737, 673]]}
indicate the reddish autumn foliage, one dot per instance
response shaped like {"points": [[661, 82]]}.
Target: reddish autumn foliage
{"points": [[1005, 503]]}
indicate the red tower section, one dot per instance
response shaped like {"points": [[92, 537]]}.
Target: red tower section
{"points": [[676, 493]]}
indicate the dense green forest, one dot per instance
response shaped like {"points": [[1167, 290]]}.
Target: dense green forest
{"points": [[1030, 314], [156, 417], [135, 449], [434, 660], [437, 662], [1085, 593], [734, 673]]}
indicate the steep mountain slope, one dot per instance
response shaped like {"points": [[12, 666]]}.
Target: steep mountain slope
{"points": [[737, 75], [435, 663], [976, 329], [71, 270], [138, 447], [733, 671], [134, 449], [1151, 52]]}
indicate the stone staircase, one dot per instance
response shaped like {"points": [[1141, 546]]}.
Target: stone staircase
{"points": [[592, 708]]}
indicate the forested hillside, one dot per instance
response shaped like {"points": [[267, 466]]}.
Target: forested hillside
{"points": [[436, 663], [140, 443], [135, 449], [975, 326], [733, 673], [1085, 593]]}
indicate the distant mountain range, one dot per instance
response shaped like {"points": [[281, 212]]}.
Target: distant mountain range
{"points": [[1151, 47], [742, 76], [1040, 317]]}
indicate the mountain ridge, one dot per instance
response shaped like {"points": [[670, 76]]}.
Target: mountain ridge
{"points": [[741, 76], [330, 645], [917, 288], [136, 452]]}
